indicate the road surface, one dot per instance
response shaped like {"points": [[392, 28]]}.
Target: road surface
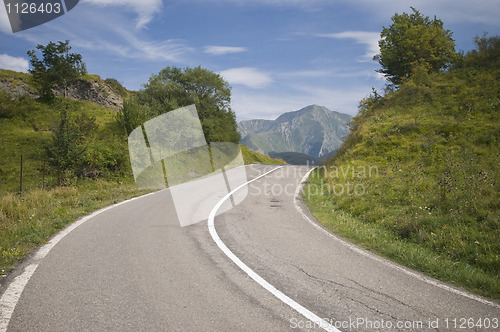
{"points": [[133, 268]]}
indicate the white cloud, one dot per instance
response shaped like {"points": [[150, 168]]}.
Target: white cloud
{"points": [[122, 41], [248, 106], [134, 48], [222, 50], [336, 99], [269, 105], [368, 38], [13, 63], [300, 74], [248, 76], [145, 9]]}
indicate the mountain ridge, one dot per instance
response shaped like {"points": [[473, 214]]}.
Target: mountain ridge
{"points": [[313, 130]]}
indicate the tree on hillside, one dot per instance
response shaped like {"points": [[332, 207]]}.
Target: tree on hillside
{"points": [[486, 54], [174, 87], [414, 41], [69, 140], [57, 67], [132, 114]]}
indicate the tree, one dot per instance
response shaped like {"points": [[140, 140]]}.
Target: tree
{"points": [[486, 54], [131, 115], [58, 67], [69, 140], [412, 41], [174, 87]]}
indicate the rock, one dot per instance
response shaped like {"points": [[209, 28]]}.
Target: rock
{"points": [[17, 90], [93, 90]]}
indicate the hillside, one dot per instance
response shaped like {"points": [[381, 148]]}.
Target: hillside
{"points": [[295, 158], [108, 93], [51, 197], [27, 127], [422, 164], [313, 130]]}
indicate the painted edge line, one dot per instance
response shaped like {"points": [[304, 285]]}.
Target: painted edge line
{"points": [[368, 254], [12, 294], [252, 274]]}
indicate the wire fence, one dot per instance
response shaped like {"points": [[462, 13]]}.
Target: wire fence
{"points": [[41, 174], [44, 175]]}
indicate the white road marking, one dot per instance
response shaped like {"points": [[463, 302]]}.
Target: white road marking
{"points": [[379, 259], [257, 278], [11, 296]]}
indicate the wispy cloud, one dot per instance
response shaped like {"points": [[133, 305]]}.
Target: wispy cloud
{"points": [[307, 74], [247, 76], [133, 45], [134, 48], [145, 9], [368, 38], [13, 63], [248, 105], [223, 50]]}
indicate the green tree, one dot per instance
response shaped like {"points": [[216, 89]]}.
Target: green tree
{"points": [[132, 114], [69, 140], [174, 87], [486, 54], [414, 41], [58, 67]]}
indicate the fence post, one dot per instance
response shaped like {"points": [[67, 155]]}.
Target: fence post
{"points": [[59, 170], [43, 174], [21, 178]]}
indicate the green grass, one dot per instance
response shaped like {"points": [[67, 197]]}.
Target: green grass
{"points": [[13, 76], [29, 220], [432, 198], [254, 157]]}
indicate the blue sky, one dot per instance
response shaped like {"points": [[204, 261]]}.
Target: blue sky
{"points": [[278, 55]]}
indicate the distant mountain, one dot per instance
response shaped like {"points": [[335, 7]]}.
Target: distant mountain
{"points": [[314, 130]]}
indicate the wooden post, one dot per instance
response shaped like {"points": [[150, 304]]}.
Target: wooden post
{"points": [[93, 167], [43, 174], [59, 170], [21, 178]]}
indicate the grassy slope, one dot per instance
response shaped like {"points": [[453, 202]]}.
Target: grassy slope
{"points": [[254, 157], [432, 200], [27, 221]]}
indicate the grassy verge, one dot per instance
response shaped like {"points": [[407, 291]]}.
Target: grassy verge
{"points": [[377, 238], [417, 179], [251, 156], [28, 221]]}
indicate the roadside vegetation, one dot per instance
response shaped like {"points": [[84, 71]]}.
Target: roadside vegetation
{"points": [[422, 163], [93, 167], [253, 157], [61, 159]]}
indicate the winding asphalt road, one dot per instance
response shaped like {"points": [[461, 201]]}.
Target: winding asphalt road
{"points": [[133, 268]]}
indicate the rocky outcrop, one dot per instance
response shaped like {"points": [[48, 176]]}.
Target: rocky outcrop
{"points": [[95, 90], [17, 89], [92, 90]]}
